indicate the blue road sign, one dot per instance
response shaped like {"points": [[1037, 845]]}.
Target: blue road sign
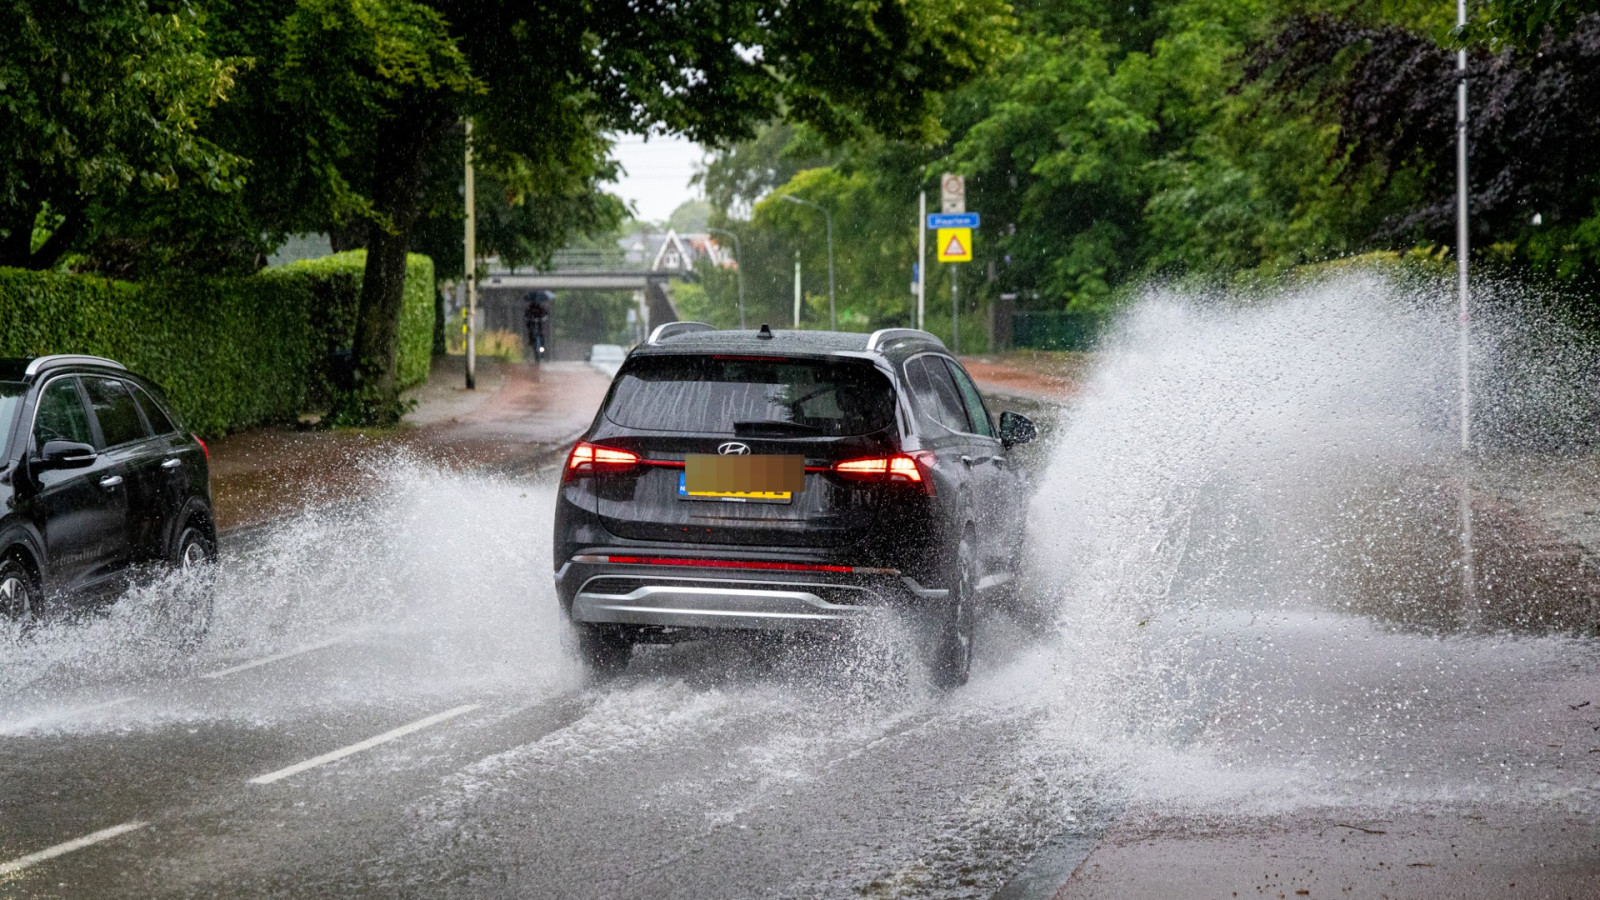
{"points": [[952, 220]]}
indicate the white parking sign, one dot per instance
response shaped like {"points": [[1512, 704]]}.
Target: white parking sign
{"points": [[953, 193]]}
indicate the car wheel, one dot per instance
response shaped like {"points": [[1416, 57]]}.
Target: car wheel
{"points": [[952, 656], [19, 596], [189, 608], [603, 651], [193, 549]]}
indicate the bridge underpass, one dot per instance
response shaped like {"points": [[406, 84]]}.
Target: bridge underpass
{"points": [[501, 303]]}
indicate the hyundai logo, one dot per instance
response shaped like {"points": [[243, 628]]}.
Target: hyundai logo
{"points": [[734, 448]]}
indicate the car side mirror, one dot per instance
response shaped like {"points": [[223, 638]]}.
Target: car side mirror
{"points": [[66, 455], [1016, 429]]}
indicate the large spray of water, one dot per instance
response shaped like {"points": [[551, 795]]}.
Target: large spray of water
{"points": [[1246, 546]]}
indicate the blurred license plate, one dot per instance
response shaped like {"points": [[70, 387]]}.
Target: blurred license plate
{"points": [[742, 479]]}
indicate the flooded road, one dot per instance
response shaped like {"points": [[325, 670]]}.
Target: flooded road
{"points": [[1242, 646]]}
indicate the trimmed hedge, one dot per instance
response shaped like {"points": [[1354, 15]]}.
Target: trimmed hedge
{"points": [[230, 352]]}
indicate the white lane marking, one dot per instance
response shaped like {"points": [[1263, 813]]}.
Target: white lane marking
{"points": [[277, 656], [22, 862], [367, 744], [85, 710]]}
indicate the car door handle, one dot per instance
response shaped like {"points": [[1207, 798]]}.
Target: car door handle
{"points": [[172, 463], [110, 481]]}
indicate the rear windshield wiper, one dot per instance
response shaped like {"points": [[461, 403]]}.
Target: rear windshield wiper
{"points": [[775, 425]]}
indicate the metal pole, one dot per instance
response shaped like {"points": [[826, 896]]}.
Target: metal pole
{"points": [[1461, 231], [738, 269], [922, 259], [955, 311], [833, 315], [797, 289], [470, 264], [1469, 600]]}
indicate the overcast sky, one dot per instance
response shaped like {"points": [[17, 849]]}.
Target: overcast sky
{"points": [[658, 173]]}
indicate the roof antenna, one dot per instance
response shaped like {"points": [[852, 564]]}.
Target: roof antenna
{"points": [[765, 333]]}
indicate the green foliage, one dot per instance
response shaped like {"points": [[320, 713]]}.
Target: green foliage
{"points": [[349, 66], [97, 100], [598, 317], [230, 352], [690, 217], [1119, 142], [1523, 24]]}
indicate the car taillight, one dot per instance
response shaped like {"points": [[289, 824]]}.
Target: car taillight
{"points": [[901, 468], [203, 448], [587, 459]]}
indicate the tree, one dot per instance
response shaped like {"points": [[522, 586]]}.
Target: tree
{"points": [[1525, 24], [543, 82], [98, 99], [691, 216], [1532, 133]]}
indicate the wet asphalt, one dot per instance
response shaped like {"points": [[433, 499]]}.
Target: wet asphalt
{"points": [[387, 706], [758, 780], [329, 741]]}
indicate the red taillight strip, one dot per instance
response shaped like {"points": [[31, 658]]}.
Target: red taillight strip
{"points": [[678, 464], [733, 564]]}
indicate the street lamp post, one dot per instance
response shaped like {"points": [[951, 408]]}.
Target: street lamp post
{"points": [[738, 269], [833, 315], [1469, 583], [470, 264]]}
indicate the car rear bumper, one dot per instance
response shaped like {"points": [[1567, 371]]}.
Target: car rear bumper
{"points": [[668, 597], [716, 606]]}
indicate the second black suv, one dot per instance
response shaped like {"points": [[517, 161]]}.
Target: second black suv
{"points": [[877, 480], [96, 477]]}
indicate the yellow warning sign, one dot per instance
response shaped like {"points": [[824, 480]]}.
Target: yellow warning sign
{"points": [[955, 245]]}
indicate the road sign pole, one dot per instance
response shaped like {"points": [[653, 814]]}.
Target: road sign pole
{"points": [[833, 315], [922, 258], [955, 310], [469, 262], [1469, 584]]}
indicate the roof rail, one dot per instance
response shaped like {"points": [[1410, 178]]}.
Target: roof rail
{"points": [[670, 329], [884, 335], [70, 359]]}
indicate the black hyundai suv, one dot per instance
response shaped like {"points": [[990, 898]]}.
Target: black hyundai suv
{"points": [[97, 476], [791, 480]]}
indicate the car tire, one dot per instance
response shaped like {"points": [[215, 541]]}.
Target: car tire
{"points": [[955, 625], [602, 650], [19, 595], [189, 611]]}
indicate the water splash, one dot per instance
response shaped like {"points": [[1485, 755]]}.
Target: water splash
{"points": [[1244, 543], [436, 582]]}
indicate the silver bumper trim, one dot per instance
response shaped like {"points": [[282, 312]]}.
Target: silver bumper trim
{"points": [[714, 606]]}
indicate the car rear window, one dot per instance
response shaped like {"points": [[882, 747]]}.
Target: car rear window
{"points": [[736, 395]]}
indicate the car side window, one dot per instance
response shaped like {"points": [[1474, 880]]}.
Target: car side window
{"points": [[937, 400], [976, 411], [116, 411], [159, 421], [61, 416]]}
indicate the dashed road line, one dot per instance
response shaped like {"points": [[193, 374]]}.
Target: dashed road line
{"points": [[105, 834], [367, 744], [276, 657], [85, 710]]}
